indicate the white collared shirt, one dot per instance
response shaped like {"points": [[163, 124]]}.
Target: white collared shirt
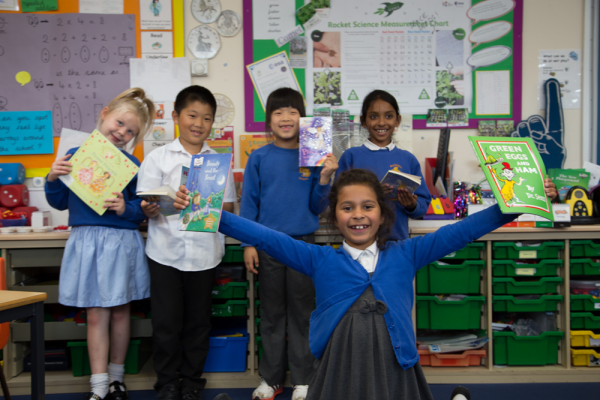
{"points": [[367, 257], [185, 251], [372, 146]]}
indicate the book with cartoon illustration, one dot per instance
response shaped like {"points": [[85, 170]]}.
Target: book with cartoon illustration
{"points": [[400, 180], [206, 182], [99, 169], [165, 196], [315, 141], [515, 171]]}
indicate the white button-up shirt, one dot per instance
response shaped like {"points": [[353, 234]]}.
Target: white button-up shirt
{"points": [[186, 251], [367, 257], [372, 146]]}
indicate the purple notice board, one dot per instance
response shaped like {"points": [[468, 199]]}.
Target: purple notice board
{"points": [[419, 122]]}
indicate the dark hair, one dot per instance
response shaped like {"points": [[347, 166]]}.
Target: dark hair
{"points": [[374, 96], [195, 93], [280, 98], [368, 179]]}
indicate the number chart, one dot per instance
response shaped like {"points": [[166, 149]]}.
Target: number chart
{"points": [[71, 64]]}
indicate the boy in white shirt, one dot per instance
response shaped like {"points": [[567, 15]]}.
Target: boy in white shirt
{"points": [[181, 263]]}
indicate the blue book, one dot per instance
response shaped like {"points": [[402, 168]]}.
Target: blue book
{"points": [[206, 182]]}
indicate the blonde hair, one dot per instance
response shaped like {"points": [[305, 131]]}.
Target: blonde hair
{"points": [[133, 100]]}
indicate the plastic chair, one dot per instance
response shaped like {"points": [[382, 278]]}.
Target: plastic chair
{"points": [[4, 330]]}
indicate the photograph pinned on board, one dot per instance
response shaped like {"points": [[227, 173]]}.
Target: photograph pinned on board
{"points": [[436, 118], [326, 49], [458, 117], [487, 127], [504, 128], [327, 88], [450, 86], [298, 52]]}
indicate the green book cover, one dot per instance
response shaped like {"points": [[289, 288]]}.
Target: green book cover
{"points": [[515, 172], [565, 179], [99, 169]]}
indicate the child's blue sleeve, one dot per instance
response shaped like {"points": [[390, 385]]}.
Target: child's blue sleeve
{"points": [[57, 194], [296, 254], [422, 192], [450, 238], [318, 196], [133, 204], [344, 164], [251, 190]]}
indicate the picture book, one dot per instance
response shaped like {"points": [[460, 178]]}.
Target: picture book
{"points": [[400, 180], [165, 196], [565, 179], [249, 143], [515, 172], [99, 169], [315, 141], [206, 182]]}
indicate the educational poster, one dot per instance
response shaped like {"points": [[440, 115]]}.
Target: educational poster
{"points": [[71, 64], [157, 45], [26, 132], [221, 141], [271, 74], [9, 5], [565, 67], [101, 7], [249, 143], [156, 15]]}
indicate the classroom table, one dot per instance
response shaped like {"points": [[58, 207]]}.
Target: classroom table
{"points": [[17, 305]]}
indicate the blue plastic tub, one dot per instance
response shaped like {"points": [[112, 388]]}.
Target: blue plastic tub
{"points": [[227, 354]]}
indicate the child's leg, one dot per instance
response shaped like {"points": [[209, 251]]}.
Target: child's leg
{"points": [[120, 323], [300, 304], [166, 285], [272, 276], [98, 320], [195, 338]]}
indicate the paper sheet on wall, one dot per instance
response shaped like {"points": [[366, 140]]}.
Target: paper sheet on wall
{"points": [[72, 64], [403, 133], [26, 132], [155, 15], [157, 45], [412, 54], [271, 74], [70, 139], [101, 7], [564, 66], [272, 18], [161, 79], [39, 5], [492, 92], [9, 5]]}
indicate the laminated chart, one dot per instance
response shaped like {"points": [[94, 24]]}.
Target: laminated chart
{"points": [[70, 64]]}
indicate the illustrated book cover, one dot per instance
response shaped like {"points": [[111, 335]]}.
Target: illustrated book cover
{"points": [[400, 180], [515, 171], [206, 182], [315, 141], [99, 169], [165, 196]]}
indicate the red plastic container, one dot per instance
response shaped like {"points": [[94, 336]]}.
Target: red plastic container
{"points": [[464, 359], [14, 196]]}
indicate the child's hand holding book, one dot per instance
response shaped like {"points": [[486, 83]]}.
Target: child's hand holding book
{"points": [[150, 210], [182, 200]]}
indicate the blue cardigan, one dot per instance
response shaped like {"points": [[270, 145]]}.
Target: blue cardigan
{"points": [[339, 280], [380, 162]]}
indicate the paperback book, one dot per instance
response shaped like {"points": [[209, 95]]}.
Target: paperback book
{"points": [[515, 171], [206, 183], [400, 180], [315, 141], [165, 196], [99, 168]]}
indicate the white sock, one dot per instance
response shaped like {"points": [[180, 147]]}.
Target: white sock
{"points": [[99, 384], [115, 373]]}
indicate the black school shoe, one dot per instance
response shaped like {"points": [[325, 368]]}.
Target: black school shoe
{"points": [[190, 393], [169, 392], [118, 394], [92, 396]]}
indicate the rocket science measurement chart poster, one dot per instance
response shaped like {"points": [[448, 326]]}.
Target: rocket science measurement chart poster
{"points": [[423, 52], [71, 64]]}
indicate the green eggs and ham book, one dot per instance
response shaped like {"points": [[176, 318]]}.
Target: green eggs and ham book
{"points": [[206, 183], [515, 171], [99, 169]]}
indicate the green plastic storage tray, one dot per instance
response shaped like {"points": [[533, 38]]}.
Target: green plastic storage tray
{"points": [[584, 248], [509, 250], [138, 352], [231, 290], [259, 346], [257, 308], [433, 313], [584, 320], [509, 268], [234, 254], [510, 304], [511, 286], [256, 288], [584, 302], [471, 252], [584, 266], [231, 308], [440, 279], [257, 323], [510, 349]]}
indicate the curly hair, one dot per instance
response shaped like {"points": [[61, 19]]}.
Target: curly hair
{"points": [[368, 179]]}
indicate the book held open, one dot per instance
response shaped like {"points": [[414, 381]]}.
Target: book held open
{"points": [[400, 180]]}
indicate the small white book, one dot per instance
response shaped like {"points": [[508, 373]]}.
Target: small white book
{"points": [[164, 196]]}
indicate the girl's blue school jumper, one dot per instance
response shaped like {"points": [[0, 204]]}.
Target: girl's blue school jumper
{"points": [[280, 195], [380, 162], [104, 264], [339, 280]]}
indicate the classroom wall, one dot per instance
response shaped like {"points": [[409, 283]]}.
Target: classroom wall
{"points": [[547, 24]]}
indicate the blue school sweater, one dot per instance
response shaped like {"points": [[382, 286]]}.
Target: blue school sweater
{"points": [[60, 197], [380, 162], [279, 194], [339, 280]]}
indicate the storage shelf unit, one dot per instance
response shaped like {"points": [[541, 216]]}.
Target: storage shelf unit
{"points": [[27, 255]]}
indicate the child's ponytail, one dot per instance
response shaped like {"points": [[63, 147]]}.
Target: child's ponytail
{"points": [[135, 101]]}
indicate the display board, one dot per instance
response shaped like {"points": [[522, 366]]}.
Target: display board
{"points": [[428, 54]]}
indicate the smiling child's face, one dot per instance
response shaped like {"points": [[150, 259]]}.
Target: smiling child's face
{"points": [[119, 126], [380, 121], [358, 215]]}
